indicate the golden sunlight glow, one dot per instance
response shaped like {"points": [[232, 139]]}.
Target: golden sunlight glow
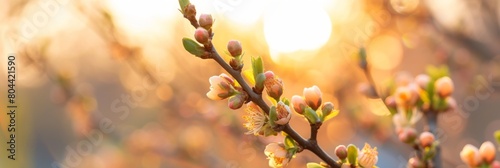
{"points": [[294, 26], [385, 52], [140, 16]]}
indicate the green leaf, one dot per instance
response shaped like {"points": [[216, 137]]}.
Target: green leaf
{"points": [[331, 115], [257, 66], [183, 4], [497, 136], [273, 115], [193, 47], [289, 143], [311, 116], [352, 154], [248, 74], [314, 165]]}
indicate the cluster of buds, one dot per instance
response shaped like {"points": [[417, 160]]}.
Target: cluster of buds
{"points": [[223, 87], [484, 157], [308, 105], [426, 92], [351, 156]]}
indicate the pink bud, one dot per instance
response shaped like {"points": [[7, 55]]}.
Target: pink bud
{"points": [[206, 21], [495, 164], [487, 152], [201, 35], [426, 139], [313, 97], [422, 81], [390, 102], [407, 135], [451, 104], [470, 155], [234, 48], [327, 108], [414, 162], [273, 85], [299, 105], [237, 101], [444, 86], [341, 152]]}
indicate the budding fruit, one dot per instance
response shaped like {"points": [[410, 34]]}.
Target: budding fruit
{"points": [[201, 35], [444, 86], [206, 21], [234, 48], [426, 139], [487, 152], [341, 152]]}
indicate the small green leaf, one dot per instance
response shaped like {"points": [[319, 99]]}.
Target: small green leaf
{"points": [[311, 116], [257, 66], [273, 115], [331, 115], [314, 165], [352, 154], [193, 47], [183, 4], [289, 143], [248, 74]]}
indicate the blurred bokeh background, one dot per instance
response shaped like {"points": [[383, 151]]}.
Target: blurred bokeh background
{"points": [[108, 83]]}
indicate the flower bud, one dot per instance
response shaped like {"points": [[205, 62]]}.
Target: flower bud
{"points": [[299, 105], [414, 162], [367, 90], [190, 11], [495, 164], [426, 139], [201, 35], [327, 108], [273, 85], [451, 104], [470, 155], [444, 86], [487, 152], [341, 152], [390, 101], [234, 48], [284, 114], [237, 101], [206, 21], [422, 81], [407, 135], [313, 97]]}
